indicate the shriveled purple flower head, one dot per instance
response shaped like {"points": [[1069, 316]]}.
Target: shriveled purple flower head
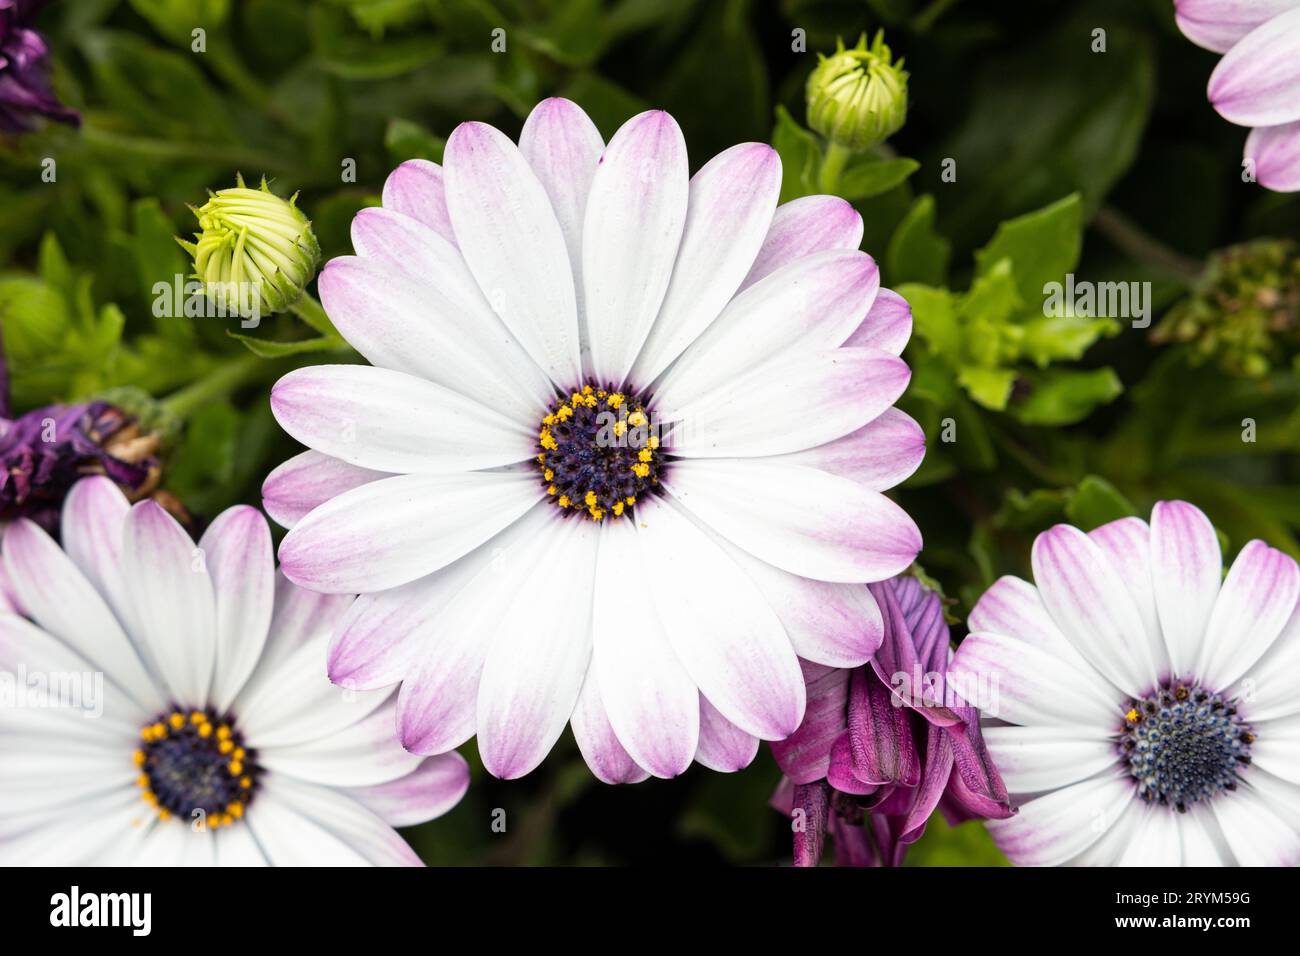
{"points": [[24, 71], [883, 745]]}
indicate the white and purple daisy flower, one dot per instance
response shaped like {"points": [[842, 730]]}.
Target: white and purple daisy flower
{"points": [[619, 457], [885, 745], [165, 703], [1148, 707], [1257, 83]]}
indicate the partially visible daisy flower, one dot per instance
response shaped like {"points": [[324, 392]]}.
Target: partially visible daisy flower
{"points": [[1148, 708], [620, 456], [884, 745], [167, 704], [1257, 83], [25, 71]]}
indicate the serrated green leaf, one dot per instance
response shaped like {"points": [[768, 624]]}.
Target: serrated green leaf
{"points": [[1042, 245], [990, 387], [876, 176], [916, 252], [1059, 396]]}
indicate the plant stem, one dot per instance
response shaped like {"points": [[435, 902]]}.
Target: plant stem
{"points": [[927, 17], [1129, 237], [833, 164], [217, 384]]}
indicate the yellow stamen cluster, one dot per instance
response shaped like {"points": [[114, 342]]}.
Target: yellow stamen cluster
{"points": [[209, 739]]}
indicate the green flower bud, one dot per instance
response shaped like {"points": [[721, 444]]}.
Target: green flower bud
{"points": [[1244, 313], [255, 252], [858, 98]]}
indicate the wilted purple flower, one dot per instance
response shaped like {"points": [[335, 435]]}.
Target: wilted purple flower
{"points": [[883, 745], [44, 452], [24, 71]]}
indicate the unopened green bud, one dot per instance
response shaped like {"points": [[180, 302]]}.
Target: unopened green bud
{"points": [[1244, 313], [255, 252], [858, 98]]}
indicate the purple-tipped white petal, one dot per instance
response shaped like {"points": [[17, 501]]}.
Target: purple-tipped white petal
{"points": [[431, 790], [777, 513], [1056, 827], [59, 598], [1275, 152], [392, 531], [797, 401], [887, 326], [391, 421], [511, 240], [650, 700], [813, 303], [428, 317], [1257, 83], [1186, 568], [306, 481], [1270, 685], [633, 228], [536, 665], [1095, 610], [94, 514], [1026, 684], [804, 226], [1257, 598], [724, 747], [596, 740], [1035, 759], [237, 549], [728, 639], [563, 147], [1218, 24], [415, 189], [172, 600], [732, 199], [879, 455]]}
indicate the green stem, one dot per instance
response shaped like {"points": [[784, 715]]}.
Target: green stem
{"points": [[1130, 238], [217, 384], [833, 164], [309, 309]]}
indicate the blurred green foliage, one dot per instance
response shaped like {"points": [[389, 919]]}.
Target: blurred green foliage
{"points": [[1028, 154]]}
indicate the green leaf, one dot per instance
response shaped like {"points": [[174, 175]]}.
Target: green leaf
{"points": [[801, 156], [934, 317], [1058, 396], [405, 140], [864, 180], [916, 252], [267, 348], [1095, 502], [990, 387], [1048, 339], [1043, 245]]}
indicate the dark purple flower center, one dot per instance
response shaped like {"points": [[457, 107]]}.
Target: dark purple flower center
{"points": [[1183, 744], [194, 765], [599, 451]]}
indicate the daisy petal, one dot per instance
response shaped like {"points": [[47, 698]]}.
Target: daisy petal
{"points": [[1093, 608], [879, 455], [304, 824], [1275, 151], [1218, 24], [1257, 83], [633, 228], [1062, 824], [536, 666], [431, 790], [415, 189], [172, 599], [722, 630], [1186, 568], [94, 514], [1034, 759], [724, 747], [1126, 543], [887, 326], [811, 304], [1277, 749], [1258, 597], [794, 402], [395, 530], [308, 480], [732, 199], [775, 512], [650, 700], [596, 739], [362, 754], [237, 549], [1256, 835], [1270, 686], [510, 237], [804, 226], [390, 421]]}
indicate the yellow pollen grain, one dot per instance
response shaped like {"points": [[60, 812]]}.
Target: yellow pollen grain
{"points": [[615, 400], [645, 454], [653, 442], [236, 768], [563, 501], [138, 758], [552, 490], [620, 428], [637, 418], [641, 470], [225, 746], [198, 717], [548, 474], [142, 780], [236, 810], [164, 814], [245, 782], [1132, 715], [565, 413], [205, 730], [223, 732], [590, 499], [239, 753], [618, 508], [177, 721]]}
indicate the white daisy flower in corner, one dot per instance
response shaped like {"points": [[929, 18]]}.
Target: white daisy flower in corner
{"points": [[1148, 707], [167, 704], [619, 456]]}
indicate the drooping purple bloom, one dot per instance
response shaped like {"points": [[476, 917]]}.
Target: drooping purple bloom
{"points": [[884, 745], [44, 452], [24, 71]]}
